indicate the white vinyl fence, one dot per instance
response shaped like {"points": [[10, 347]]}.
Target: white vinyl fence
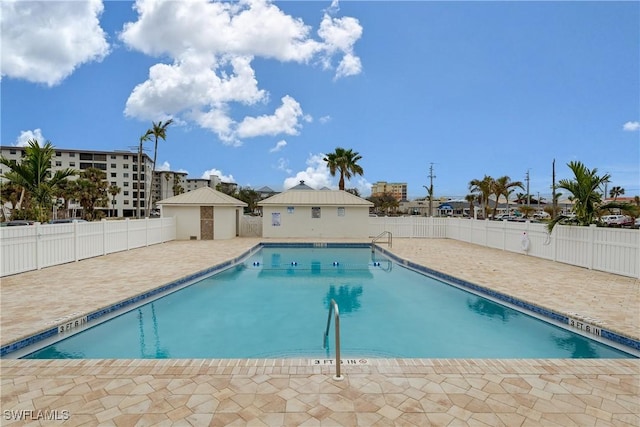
{"points": [[34, 247], [613, 250]]}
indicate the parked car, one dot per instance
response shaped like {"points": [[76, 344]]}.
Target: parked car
{"points": [[16, 222], [617, 220], [66, 221]]}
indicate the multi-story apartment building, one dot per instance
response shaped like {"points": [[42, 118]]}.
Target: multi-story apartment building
{"points": [[397, 189], [120, 167], [164, 182]]}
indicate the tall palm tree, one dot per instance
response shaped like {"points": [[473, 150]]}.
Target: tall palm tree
{"points": [[158, 131], [143, 139], [114, 190], [503, 186], [584, 192], [33, 174], [484, 188], [345, 162], [615, 192], [471, 198]]}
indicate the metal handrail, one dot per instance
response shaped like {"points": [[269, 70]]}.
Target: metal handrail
{"points": [[333, 306], [389, 238]]}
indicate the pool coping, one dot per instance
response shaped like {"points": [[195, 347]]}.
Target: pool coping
{"points": [[83, 319]]}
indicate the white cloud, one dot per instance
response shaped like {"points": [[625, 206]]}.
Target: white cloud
{"points": [[631, 126], [223, 178], [164, 167], [26, 135], [316, 175], [279, 146], [283, 165], [284, 120], [212, 46], [45, 41], [324, 119]]}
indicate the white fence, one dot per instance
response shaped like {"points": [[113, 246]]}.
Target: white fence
{"points": [[612, 250], [43, 245]]}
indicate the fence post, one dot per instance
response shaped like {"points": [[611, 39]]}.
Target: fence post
{"points": [[38, 247], [76, 249], [592, 245], [128, 239], [104, 236]]}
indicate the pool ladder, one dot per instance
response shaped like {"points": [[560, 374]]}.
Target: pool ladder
{"points": [[380, 236], [333, 306]]}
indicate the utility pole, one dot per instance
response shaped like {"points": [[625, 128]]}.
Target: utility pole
{"points": [[528, 195], [553, 190], [430, 188]]}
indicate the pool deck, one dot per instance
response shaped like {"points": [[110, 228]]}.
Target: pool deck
{"points": [[296, 391]]}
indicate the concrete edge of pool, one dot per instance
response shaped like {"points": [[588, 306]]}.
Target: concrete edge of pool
{"points": [[607, 335]]}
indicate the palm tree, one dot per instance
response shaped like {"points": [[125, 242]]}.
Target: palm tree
{"points": [[158, 130], [114, 190], [143, 138], [33, 174], [344, 161], [503, 186], [177, 187], [471, 198], [584, 192], [484, 187], [92, 192], [615, 192]]}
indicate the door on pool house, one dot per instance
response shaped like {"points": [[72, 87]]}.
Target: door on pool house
{"points": [[206, 222]]}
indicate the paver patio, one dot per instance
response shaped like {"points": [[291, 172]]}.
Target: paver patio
{"points": [[278, 392]]}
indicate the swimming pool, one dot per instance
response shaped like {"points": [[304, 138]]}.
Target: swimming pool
{"points": [[275, 304]]}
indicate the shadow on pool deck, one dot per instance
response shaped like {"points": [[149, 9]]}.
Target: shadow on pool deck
{"points": [[293, 392]]}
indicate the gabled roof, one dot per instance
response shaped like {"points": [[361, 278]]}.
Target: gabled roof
{"points": [[204, 196], [315, 198], [301, 186]]}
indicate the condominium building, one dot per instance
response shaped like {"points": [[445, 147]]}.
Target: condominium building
{"points": [[165, 182], [120, 167], [397, 189]]}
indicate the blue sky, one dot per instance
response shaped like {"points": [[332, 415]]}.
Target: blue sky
{"points": [[260, 91]]}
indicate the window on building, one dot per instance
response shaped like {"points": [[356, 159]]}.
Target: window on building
{"points": [[72, 154], [101, 166], [126, 166], [58, 163], [113, 157], [126, 183], [114, 175], [315, 212], [113, 165], [100, 157], [86, 156], [72, 164], [58, 154], [126, 157], [135, 168], [85, 165], [114, 183], [340, 211], [126, 175], [12, 151], [126, 202], [125, 193]]}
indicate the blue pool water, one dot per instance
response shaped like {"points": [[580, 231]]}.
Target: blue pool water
{"points": [[275, 304]]}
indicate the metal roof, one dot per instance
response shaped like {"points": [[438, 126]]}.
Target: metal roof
{"points": [[315, 198], [204, 196]]}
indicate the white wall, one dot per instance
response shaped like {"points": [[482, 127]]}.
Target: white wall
{"points": [[299, 223], [224, 222], [188, 221]]}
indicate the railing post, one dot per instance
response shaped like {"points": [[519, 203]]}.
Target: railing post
{"points": [[333, 306]]}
